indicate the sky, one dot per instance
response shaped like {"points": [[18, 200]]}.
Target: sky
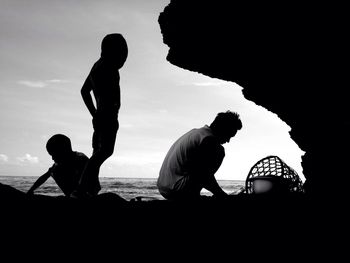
{"points": [[47, 49]]}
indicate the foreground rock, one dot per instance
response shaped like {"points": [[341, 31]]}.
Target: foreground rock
{"points": [[109, 226], [236, 208]]}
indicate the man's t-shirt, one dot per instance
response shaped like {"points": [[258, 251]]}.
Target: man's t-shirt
{"points": [[67, 175], [190, 159]]}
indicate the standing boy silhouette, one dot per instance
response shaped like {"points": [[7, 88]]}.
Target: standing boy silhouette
{"points": [[103, 82]]}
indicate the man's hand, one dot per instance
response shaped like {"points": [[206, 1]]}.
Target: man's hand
{"points": [[221, 195]]}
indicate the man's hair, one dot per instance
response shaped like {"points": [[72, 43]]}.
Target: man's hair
{"points": [[226, 121], [58, 143]]}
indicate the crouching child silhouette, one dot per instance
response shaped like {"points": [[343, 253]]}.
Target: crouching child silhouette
{"points": [[68, 166], [103, 83]]}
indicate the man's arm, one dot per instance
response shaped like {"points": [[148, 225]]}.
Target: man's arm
{"points": [[212, 155], [42, 179], [86, 95], [212, 185]]}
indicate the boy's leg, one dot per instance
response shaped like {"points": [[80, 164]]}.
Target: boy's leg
{"points": [[89, 182], [103, 141], [103, 144]]}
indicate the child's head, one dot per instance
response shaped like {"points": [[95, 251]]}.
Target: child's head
{"points": [[114, 49], [59, 147]]}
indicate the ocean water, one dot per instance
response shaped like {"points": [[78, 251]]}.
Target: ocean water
{"points": [[128, 188]]}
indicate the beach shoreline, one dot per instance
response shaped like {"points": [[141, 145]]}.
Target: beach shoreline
{"points": [[128, 188]]}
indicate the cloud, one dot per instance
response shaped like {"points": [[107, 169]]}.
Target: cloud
{"points": [[58, 81], [27, 158], [33, 84], [127, 126], [163, 111], [138, 159], [4, 158], [207, 84], [41, 83]]}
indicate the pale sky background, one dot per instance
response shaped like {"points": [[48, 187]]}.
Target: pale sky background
{"points": [[46, 51]]}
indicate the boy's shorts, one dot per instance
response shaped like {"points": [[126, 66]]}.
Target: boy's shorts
{"points": [[105, 127]]}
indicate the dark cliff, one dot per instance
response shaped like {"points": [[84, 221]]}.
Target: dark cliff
{"points": [[289, 57]]}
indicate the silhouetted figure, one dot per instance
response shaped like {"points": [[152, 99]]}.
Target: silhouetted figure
{"points": [[103, 82], [68, 166], [192, 161]]}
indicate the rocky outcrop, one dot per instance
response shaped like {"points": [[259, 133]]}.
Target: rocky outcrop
{"points": [[289, 57]]}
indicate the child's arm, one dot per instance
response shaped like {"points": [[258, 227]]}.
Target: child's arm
{"points": [[86, 95], [42, 179]]}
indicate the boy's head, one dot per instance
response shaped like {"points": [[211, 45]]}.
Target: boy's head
{"points": [[114, 49], [59, 147], [225, 125]]}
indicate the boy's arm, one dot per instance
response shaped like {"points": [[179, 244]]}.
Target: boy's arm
{"points": [[86, 95], [42, 179]]}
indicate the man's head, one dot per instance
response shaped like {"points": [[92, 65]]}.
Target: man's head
{"points": [[59, 147], [114, 49], [225, 125]]}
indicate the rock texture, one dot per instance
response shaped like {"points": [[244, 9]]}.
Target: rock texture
{"points": [[289, 57]]}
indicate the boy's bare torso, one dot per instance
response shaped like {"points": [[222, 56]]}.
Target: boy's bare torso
{"points": [[105, 86]]}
